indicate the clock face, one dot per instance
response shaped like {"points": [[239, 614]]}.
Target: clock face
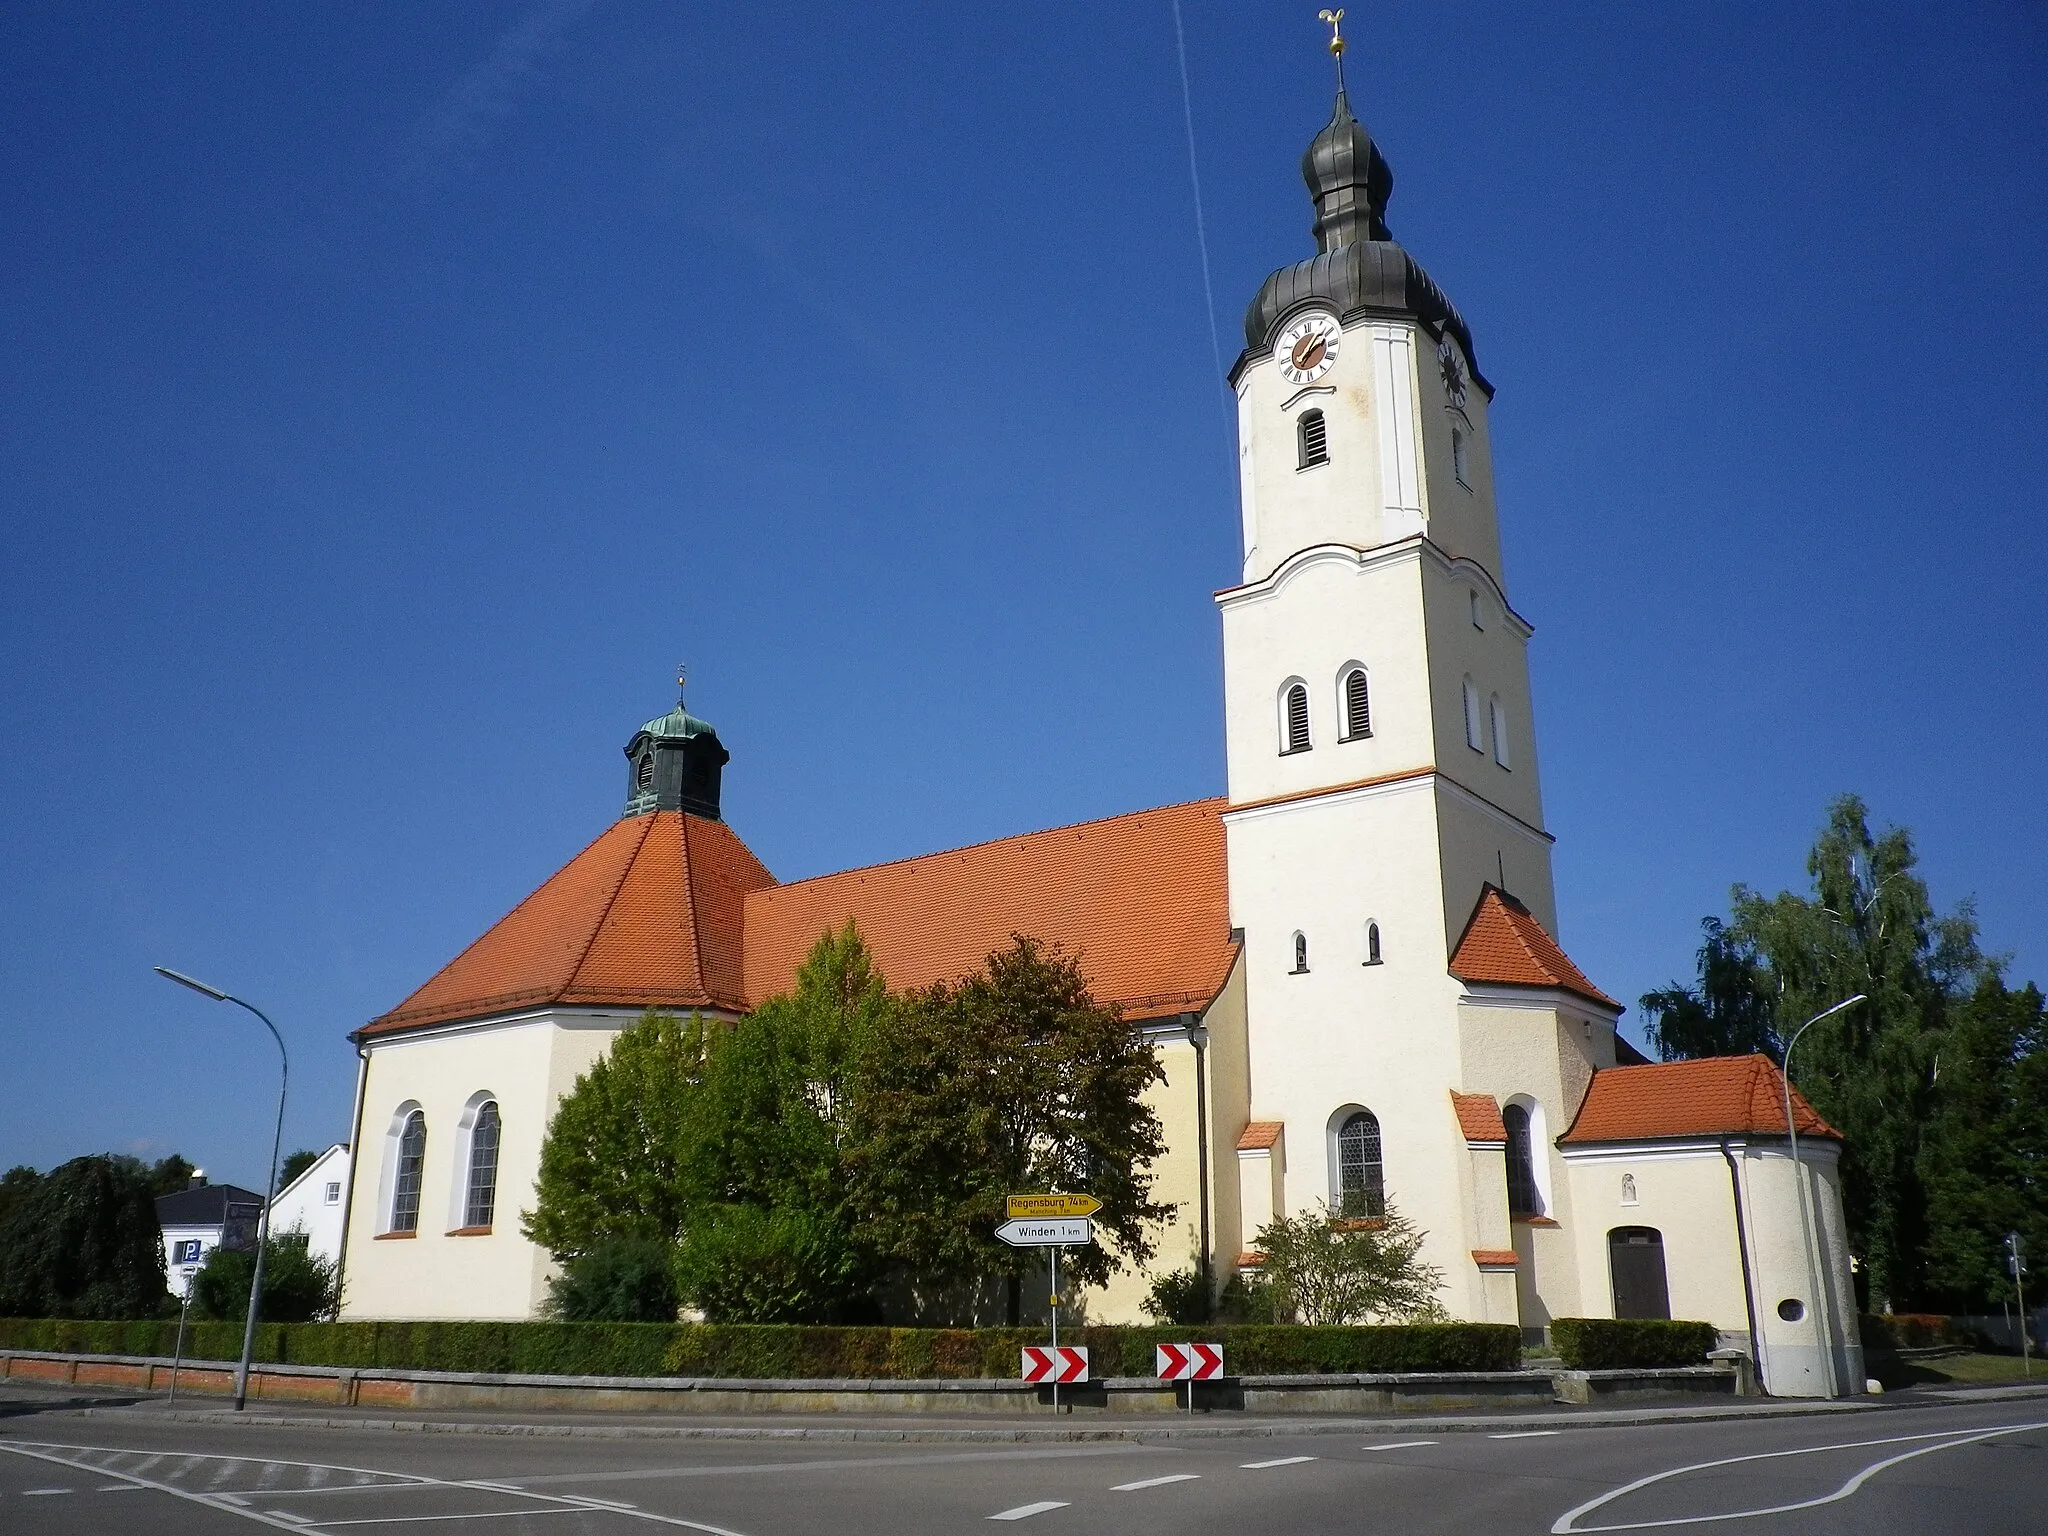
{"points": [[1307, 349], [1451, 362]]}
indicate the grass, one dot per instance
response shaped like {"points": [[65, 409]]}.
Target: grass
{"points": [[1955, 1370]]}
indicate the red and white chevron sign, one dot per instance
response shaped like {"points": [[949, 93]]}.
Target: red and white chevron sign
{"points": [[1062, 1365], [1187, 1362]]}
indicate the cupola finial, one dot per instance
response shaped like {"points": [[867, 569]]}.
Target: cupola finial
{"points": [[1335, 19]]}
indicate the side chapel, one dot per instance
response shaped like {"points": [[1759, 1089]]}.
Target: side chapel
{"points": [[1349, 963]]}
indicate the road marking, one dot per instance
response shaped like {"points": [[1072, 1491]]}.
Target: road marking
{"points": [[1278, 1461], [1026, 1511], [1398, 1445], [119, 1488], [1566, 1526], [483, 1514], [41, 1493], [1525, 1434], [1157, 1482], [285, 1514]]}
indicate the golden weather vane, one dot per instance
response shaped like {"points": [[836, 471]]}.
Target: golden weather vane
{"points": [[1336, 33], [682, 680]]}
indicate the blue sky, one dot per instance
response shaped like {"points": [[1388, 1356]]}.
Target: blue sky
{"points": [[394, 394]]}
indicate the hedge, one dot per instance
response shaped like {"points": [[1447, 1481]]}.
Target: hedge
{"points": [[1610, 1344], [768, 1352]]}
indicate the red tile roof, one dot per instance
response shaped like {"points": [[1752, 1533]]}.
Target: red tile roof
{"points": [[1495, 1258], [1139, 900], [1479, 1116], [1713, 1096], [648, 915], [1505, 945], [671, 910], [1260, 1135]]}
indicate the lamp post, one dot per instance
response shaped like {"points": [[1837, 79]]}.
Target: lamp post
{"points": [[1799, 1180], [269, 1190]]}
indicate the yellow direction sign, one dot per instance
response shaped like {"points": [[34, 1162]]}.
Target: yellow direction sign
{"points": [[1043, 1207]]}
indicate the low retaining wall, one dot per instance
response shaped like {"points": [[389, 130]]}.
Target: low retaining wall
{"points": [[1334, 1394]]}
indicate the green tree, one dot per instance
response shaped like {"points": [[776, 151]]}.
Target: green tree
{"points": [[298, 1284], [1868, 926], [1012, 1079], [1321, 1269], [1984, 1155], [756, 1264], [82, 1241], [622, 1280], [296, 1164], [17, 1185], [611, 1165], [171, 1174]]}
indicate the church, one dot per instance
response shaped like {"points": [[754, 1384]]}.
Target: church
{"points": [[1349, 964]]}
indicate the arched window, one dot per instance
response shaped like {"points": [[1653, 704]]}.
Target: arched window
{"points": [[1524, 1198], [1500, 731], [1315, 439], [480, 1200], [1474, 726], [1294, 718], [643, 777], [1372, 943], [1361, 1179], [1357, 705], [1459, 457], [1300, 954], [411, 1164], [1478, 609]]}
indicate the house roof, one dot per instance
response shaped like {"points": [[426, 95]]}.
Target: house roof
{"points": [[670, 910], [1260, 1135], [1713, 1096], [1479, 1116], [314, 1167], [1504, 945], [646, 916], [1140, 900], [204, 1205]]}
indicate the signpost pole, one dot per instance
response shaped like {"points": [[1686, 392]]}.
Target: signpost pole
{"points": [[178, 1354], [1055, 1328], [2019, 1268]]}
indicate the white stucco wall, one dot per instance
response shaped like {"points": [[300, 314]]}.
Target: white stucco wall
{"points": [[313, 1203]]}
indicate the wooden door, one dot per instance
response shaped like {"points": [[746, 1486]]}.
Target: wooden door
{"points": [[1635, 1258]]}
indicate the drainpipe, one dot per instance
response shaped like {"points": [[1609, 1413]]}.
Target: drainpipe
{"points": [[1756, 1337], [1198, 1037], [355, 1168]]}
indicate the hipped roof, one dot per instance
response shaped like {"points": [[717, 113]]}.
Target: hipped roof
{"points": [[1713, 1096], [1503, 944]]}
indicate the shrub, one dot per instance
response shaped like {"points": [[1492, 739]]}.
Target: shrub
{"points": [[1180, 1297], [298, 1284], [744, 1264], [779, 1351], [1609, 1344], [1325, 1269], [622, 1280], [1910, 1330]]}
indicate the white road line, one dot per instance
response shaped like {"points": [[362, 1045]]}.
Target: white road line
{"points": [[41, 1493], [1566, 1526], [1525, 1434], [1278, 1461], [1026, 1511], [1157, 1482], [120, 1488], [1397, 1445], [285, 1514], [483, 1514], [176, 1493]]}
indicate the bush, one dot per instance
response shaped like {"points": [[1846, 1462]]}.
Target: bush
{"points": [[780, 1351], [743, 1264], [1326, 1269], [1181, 1297], [1612, 1344], [298, 1284], [1911, 1330], [624, 1280]]}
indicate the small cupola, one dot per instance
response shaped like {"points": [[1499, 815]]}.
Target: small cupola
{"points": [[675, 763], [1349, 179]]}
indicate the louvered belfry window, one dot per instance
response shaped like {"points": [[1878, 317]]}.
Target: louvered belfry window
{"points": [[482, 1202], [1315, 440], [1361, 1178], [405, 1185], [1357, 705], [1297, 719]]}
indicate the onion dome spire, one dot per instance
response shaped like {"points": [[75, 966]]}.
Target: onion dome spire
{"points": [[1346, 174]]}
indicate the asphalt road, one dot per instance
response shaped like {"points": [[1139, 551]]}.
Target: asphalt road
{"points": [[1979, 1467]]}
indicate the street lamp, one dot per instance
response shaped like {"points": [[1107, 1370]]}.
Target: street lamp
{"points": [[270, 1190], [1799, 1180]]}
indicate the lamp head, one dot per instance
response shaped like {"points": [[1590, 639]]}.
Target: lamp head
{"points": [[189, 981]]}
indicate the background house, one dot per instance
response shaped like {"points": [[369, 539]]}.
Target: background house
{"points": [[198, 1220]]}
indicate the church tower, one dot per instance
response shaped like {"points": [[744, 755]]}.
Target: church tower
{"points": [[1380, 739]]}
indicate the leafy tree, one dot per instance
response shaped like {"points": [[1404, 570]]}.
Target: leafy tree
{"points": [[1867, 926], [1010, 1079], [611, 1165], [754, 1264], [298, 1284], [16, 1186], [622, 1280], [296, 1164], [83, 1241], [1180, 1296], [1322, 1268], [1984, 1156], [171, 1174]]}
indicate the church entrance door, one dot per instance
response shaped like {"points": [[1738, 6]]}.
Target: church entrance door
{"points": [[1635, 1259]]}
